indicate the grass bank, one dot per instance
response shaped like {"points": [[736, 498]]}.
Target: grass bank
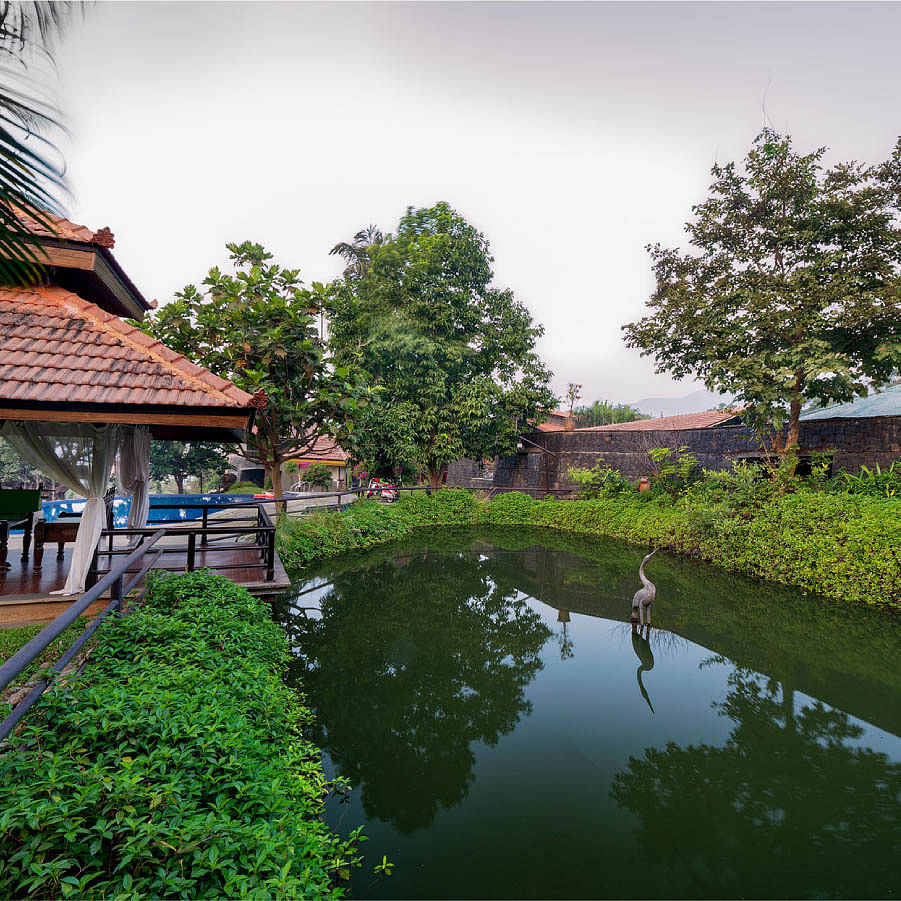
{"points": [[838, 544], [174, 766]]}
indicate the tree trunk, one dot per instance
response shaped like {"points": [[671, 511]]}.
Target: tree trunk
{"points": [[436, 474], [179, 483], [275, 474], [794, 425]]}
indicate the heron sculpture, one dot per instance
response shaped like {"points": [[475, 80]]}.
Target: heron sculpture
{"points": [[644, 597]]}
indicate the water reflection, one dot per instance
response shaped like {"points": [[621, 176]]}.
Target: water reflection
{"points": [[751, 752], [789, 792], [407, 668], [641, 644]]}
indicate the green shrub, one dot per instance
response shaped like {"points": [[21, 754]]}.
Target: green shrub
{"points": [[771, 525], [244, 488], [317, 536], [600, 480], [317, 474], [174, 766], [876, 482]]}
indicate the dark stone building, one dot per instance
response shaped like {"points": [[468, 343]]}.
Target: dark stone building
{"points": [[852, 441]]}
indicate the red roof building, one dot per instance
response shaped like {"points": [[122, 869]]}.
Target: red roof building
{"points": [[706, 420]]}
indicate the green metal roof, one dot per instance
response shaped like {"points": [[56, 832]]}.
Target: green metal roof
{"points": [[886, 403]]}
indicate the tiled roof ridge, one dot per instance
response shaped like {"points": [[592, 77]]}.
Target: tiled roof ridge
{"points": [[700, 419], [196, 376]]}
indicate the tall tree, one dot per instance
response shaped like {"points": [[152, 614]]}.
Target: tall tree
{"points": [[791, 293], [357, 253], [31, 171], [180, 459], [602, 412], [451, 351], [257, 328]]}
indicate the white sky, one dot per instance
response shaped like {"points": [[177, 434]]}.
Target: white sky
{"points": [[571, 135]]}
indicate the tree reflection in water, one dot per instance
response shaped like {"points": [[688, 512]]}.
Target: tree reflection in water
{"points": [[410, 665], [788, 791]]}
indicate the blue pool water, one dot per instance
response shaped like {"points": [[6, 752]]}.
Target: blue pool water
{"points": [[122, 505]]}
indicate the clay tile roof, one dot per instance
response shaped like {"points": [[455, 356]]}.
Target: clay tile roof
{"points": [[325, 448], [56, 347], [705, 420], [65, 230]]}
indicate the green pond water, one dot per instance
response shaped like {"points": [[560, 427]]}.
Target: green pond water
{"points": [[506, 734]]}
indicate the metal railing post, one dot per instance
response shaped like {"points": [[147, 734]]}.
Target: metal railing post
{"points": [[93, 569], [270, 557], [192, 546], [115, 594], [203, 539]]}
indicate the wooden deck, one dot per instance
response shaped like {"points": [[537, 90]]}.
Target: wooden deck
{"points": [[25, 595]]}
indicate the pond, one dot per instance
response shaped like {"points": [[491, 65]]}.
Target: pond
{"points": [[506, 734]]}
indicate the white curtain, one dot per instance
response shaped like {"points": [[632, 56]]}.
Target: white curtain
{"points": [[134, 472], [79, 456]]}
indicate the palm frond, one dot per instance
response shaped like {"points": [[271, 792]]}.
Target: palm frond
{"points": [[31, 168]]}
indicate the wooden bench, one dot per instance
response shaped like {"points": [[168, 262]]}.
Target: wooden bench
{"points": [[17, 509], [59, 530]]}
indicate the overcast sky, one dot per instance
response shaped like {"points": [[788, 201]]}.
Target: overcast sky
{"points": [[572, 135]]}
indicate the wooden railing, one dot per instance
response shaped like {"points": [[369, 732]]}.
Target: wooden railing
{"points": [[202, 538]]}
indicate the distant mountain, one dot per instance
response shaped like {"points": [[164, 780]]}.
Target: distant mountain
{"points": [[696, 402]]}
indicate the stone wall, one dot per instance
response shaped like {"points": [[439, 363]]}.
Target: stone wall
{"points": [[854, 443]]}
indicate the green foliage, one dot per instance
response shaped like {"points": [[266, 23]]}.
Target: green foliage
{"points": [[600, 479], [367, 523], [317, 474], [455, 357], [258, 329], [244, 488], [833, 543], [31, 170], [876, 482], [792, 291], [602, 412], [12, 640], [16, 472], [174, 767], [673, 476], [180, 459], [385, 439]]}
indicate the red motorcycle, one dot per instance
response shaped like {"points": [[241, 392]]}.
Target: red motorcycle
{"points": [[384, 491]]}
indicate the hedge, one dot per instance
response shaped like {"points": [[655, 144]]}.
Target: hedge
{"points": [[174, 766], [838, 544]]}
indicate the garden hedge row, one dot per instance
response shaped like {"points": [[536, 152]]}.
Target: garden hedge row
{"points": [[841, 545], [174, 766]]}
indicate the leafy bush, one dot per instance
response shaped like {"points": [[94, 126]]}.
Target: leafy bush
{"points": [[876, 482], [673, 476], [174, 766], [600, 480], [317, 474], [769, 525], [303, 540], [244, 488]]}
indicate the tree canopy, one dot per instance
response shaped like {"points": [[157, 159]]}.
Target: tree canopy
{"points": [[791, 292], [453, 355], [180, 459], [602, 412], [258, 329]]}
